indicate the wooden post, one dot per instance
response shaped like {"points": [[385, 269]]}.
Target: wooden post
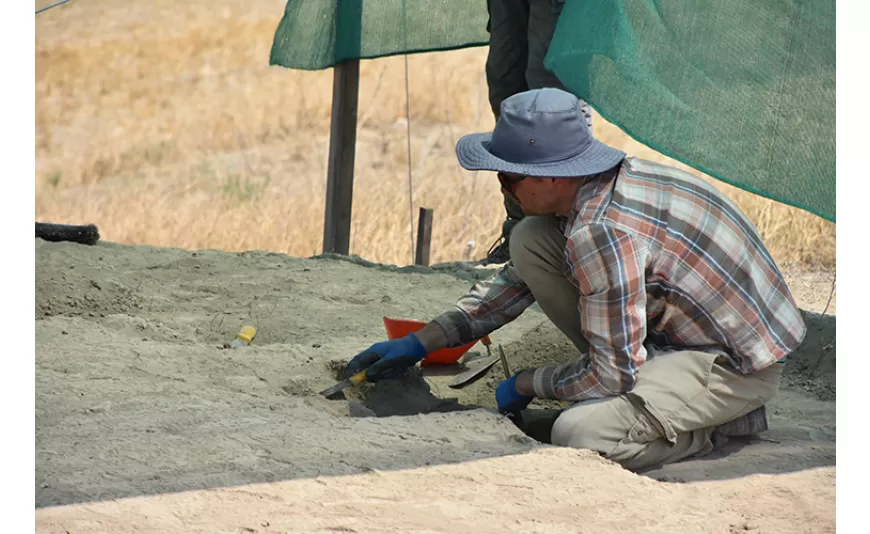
{"points": [[424, 237], [342, 142]]}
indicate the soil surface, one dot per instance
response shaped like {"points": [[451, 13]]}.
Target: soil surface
{"points": [[146, 420]]}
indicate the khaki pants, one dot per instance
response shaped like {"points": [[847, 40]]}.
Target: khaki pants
{"points": [[679, 398]]}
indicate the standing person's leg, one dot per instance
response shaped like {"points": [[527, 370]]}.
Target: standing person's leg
{"points": [[506, 67], [521, 31], [508, 50], [543, 16]]}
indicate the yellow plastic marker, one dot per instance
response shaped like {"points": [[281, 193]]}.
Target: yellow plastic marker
{"points": [[244, 337]]}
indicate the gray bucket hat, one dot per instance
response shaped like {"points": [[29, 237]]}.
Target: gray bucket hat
{"points": [[541, 132]]}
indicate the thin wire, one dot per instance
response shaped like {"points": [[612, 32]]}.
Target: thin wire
{"points": [[38, 11], [830, 298], [410, 181], [830, 345]]}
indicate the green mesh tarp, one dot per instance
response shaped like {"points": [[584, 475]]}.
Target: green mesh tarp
{"points": [[317, 34], [743, 90]]}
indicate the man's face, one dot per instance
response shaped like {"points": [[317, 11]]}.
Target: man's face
{"points": [[508, 182], [535, 196]]}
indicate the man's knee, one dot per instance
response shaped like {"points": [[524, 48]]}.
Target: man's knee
{"points": [[592, 424], [526, 239]]}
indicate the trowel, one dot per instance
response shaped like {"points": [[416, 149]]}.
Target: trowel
{"points": [[352, 381], [476, 368]]}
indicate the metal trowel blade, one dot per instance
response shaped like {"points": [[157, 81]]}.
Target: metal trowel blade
{"points": [[475, 370]]}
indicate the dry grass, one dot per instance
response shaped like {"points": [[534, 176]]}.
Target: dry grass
{"points": [[163, 124]]}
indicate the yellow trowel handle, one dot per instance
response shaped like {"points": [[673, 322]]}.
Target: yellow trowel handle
{"points": [[352, 381], [357, 378]]}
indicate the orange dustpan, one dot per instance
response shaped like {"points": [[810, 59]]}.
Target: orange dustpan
{"points": [[397, 328]]}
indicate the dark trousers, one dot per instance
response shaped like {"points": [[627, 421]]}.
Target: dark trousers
{"points": [[520, 35]]}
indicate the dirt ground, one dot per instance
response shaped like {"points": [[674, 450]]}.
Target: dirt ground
{"points": [[147, 422]]}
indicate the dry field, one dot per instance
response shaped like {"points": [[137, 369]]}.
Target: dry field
{"points": [[162, 123]]}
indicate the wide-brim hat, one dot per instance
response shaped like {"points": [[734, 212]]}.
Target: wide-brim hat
{"points": [[542, 133]]}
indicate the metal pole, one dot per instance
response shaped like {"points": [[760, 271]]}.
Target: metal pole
{"points": [[342, 143]]}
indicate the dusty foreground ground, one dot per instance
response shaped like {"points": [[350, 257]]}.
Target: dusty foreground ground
{"points": [[146, 423]]}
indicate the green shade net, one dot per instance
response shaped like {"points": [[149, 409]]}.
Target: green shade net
{"points": [[743, 90], [317, 34]]}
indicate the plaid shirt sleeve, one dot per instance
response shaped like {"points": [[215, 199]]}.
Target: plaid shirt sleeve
{"points": [[488, 305], [608, 266]]}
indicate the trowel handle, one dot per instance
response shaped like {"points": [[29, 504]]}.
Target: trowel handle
{"points": [[359, 377]]}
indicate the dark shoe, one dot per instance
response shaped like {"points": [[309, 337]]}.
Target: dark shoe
{"points": [[499, 252], [749, 424]]}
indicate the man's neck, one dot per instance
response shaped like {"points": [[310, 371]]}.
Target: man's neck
{"points": [[570, 197], [576, 188]]}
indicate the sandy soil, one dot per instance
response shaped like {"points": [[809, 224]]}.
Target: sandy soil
{"points": [[147, 423]]}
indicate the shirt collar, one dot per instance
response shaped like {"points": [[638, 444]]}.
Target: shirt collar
{"points": [[592, 197]]}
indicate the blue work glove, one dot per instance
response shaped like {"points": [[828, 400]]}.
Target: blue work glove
{"points": [[387, 359], [509, 400]]}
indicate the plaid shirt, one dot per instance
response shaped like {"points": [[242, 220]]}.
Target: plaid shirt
{"points": [[659, 256]]}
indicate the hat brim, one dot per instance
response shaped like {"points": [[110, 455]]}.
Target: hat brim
{"points": [[473, 153]]}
